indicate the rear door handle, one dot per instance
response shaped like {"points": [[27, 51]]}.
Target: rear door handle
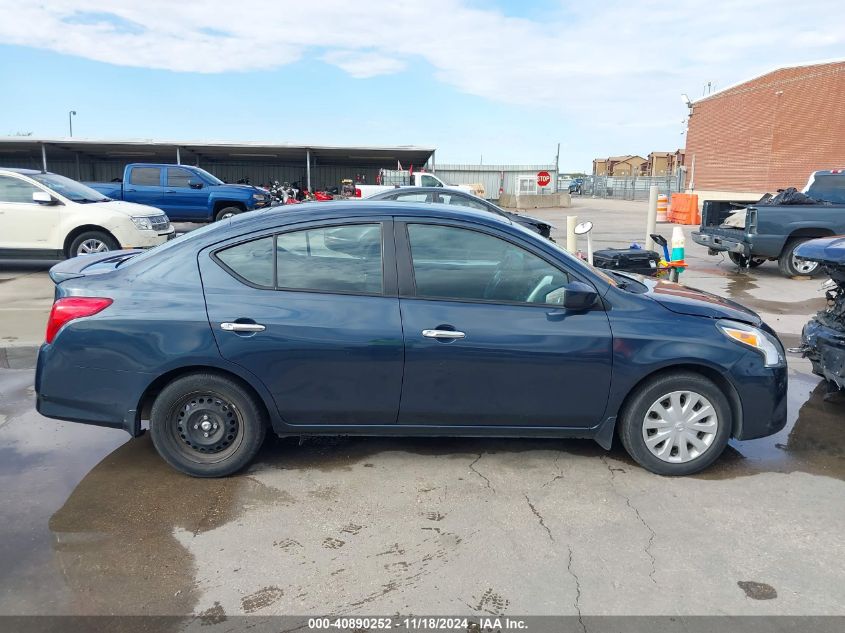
{"points": [[443, 334], [242, 327]]}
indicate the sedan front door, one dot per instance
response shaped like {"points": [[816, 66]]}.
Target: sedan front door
{"points": [[313, 313], [487, 341]]}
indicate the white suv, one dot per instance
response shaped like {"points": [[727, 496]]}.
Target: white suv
{"points": [[47, 216]]}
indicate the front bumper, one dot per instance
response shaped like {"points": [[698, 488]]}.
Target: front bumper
{"points": [[723, 243], [825, 347], [762, 396]]}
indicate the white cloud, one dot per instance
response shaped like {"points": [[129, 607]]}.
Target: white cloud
{"points": [[364, 64], [609, 64]]}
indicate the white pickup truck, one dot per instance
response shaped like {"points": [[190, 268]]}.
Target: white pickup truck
{"points": [[394, 178]]}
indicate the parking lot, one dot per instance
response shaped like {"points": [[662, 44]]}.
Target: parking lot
{"points": [[95, 523]]}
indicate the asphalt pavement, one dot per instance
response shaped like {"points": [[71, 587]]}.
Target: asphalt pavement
{"points": [[93, 522]]}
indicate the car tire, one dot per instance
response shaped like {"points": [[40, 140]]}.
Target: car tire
{"points": [[227, 212], [691, 444], [207, 425], [92, 242], [742, 261], [789, 267]]}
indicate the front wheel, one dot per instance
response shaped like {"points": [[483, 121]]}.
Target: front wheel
{"points": [[92, 242], [207, 425], [676, 424], [227, 212], [792, 266]]}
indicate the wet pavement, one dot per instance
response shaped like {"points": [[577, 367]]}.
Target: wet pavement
{"points": [[92, 522]]}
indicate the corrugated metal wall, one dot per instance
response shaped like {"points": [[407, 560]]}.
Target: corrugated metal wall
{"points": [[322, 176], [490, 176]]}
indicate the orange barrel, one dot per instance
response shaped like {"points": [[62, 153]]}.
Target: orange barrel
{"points": [[662, 208]]}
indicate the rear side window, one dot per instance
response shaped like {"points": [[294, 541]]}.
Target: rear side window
{"points": [[251, 261], [15, 190], [331, 259], [145, 176]]}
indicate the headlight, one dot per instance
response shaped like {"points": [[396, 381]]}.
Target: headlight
{"points": [[143, 223], [756, 338], [258, 196]]}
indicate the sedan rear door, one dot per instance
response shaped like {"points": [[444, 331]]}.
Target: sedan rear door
{"points": [[312, 311]]}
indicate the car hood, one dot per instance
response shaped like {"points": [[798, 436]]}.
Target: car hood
{"points": [[244, 190], [527, 219], [129, 208], [684, 300], [829, 252], [826, 250]]}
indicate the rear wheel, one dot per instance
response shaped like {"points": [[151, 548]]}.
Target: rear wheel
{"points": [[227, 212], [791, 266], [92, 242], [745, 262], [676, 424], [207, 425]]}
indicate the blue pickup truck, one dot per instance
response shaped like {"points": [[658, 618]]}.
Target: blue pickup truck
{"points": [[184, 193]]}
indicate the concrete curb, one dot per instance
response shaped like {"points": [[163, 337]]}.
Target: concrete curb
{"points": [[18, 356]]}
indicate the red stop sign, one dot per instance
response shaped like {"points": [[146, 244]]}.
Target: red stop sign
{"points": [[543, 178]]}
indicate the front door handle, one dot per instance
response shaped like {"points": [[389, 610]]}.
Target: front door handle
{"points": [[443, 334], [242, 327]]}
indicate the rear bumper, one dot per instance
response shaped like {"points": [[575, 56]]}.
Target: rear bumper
{"points": [[64, 392], [721, 243]]}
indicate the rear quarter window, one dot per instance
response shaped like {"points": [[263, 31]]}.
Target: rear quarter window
{"points": [[251, 261]]}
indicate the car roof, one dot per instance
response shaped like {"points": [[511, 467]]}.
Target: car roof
{"points": [[25, 172], [306, 211], [420, 190]]}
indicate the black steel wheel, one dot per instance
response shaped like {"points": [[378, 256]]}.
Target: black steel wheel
{"points": [[207, 425]]}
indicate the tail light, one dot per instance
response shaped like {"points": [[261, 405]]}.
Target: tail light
{"points": [[70, 308], [357, 192]]}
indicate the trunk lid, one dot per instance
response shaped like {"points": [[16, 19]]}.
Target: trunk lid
{"points": [[93, 264]]}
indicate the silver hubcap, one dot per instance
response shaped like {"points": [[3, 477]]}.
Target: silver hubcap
{"points": [[227, 215], [92, 246], [803, 266], [680, 426]]}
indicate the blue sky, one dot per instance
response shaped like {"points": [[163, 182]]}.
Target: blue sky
{"points": [[504, 81]]}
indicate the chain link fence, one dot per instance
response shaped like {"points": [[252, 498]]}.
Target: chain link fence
{"points": [[631, 187]]}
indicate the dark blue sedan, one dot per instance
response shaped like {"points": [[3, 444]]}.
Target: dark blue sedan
{"points": [[379, 318]]}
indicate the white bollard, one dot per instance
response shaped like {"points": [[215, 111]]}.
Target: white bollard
{"points": [[651, 222], [571, 239]]}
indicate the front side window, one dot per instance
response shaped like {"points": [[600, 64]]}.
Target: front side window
{"points": [[179, 177], [145, 176], [252, 261], [429, 181], [456, 263], [411, 197], [458, 200], [331, 259], [16, 190]]}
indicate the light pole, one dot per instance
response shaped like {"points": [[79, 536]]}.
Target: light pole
{"points": [[70, 116]]}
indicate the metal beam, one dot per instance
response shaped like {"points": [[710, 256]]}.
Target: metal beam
{"points": [[78, 170], [178, 156], [308, 169], [43, 157]]}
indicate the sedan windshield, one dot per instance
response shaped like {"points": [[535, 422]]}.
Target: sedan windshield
{"points": [[70, 189]]}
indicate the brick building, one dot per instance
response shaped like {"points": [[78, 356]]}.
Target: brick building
{"points": [[767, 133]]}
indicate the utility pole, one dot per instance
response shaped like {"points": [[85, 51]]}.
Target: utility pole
{"points": [[70, 116], [557, 165]]}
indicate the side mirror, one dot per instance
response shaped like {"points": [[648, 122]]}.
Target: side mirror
{"points": [[42, 197], [574, 296], [195, 185]]}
